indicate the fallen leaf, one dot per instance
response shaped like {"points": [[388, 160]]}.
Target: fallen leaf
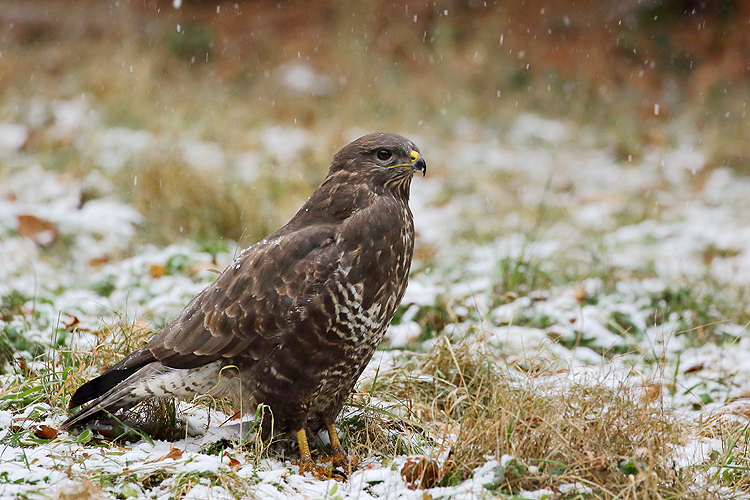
{"points": [[71, 322], [174, 454], [420, 473], [534, 421], [157, 270], [98, 261], [233, 463], [37, 230], [24, 368], [46, 432]]}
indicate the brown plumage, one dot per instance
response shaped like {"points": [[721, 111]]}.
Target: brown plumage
{"points": [[293, 321]]}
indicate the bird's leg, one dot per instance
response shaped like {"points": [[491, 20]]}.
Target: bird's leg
{"points": [[306, 463], [338, 457]]}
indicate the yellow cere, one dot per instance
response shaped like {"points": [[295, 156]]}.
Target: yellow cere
{"points": [[413, 156]]}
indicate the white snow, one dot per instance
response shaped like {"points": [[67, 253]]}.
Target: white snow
{"points": [[13, 136], [303, 79]]}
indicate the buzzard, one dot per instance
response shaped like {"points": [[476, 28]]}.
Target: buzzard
{"points": [[293, 321]]}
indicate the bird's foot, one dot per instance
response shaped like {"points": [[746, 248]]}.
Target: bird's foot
{"points": [[325, 473], [341, 461], [305, 465], [339, 458], [320, 473]]}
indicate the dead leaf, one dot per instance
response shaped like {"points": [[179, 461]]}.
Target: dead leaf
{"points": [[174, 454], [420, 473], [694, 369], [157, 270], [71, 322], [233, 463], [533, 421], [24, 368], [37, 230], [46, 432], [98, 261]]}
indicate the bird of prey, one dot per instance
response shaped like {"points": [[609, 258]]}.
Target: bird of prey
{"points": [[294, 320]]}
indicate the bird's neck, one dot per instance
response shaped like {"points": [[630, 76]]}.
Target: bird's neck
{"points": [[338, 199]]}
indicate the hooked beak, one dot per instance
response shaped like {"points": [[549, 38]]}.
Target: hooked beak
{"points": [[418, 163]]}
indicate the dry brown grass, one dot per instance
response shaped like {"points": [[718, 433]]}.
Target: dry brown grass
{"points": [[179, 200], [614, 438], [70, 369], [729, 465]]}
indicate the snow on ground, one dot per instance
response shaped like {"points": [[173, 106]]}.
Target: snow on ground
{"points": [[532, 202]]}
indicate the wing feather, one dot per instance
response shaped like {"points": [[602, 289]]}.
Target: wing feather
{"points": [[253, 302]]}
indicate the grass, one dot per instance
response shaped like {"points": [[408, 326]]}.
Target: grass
{"points": [[608, 437], [452, 407]]}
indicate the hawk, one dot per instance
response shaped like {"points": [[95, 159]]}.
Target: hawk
{"points": [[294, 320]]}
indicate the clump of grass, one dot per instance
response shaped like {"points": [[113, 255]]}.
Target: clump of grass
{"points": [[57, 370], [700, 310], [729, 466], [179, 201], [613, 438], [157, 418], [519, 276], [112, 343], [183, 483]]}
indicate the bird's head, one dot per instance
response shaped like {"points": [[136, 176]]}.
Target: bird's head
{"points": [[373, 165], [388, 159]]}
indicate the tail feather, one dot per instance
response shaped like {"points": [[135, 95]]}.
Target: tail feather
{"points": [[93, 393], [119, 394], [99, 386], [126, 384]]}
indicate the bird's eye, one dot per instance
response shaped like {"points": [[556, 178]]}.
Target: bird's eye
{"points": [[384, 154]]}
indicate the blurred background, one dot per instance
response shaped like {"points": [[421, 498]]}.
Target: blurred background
{"points": [[206, 113]]}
